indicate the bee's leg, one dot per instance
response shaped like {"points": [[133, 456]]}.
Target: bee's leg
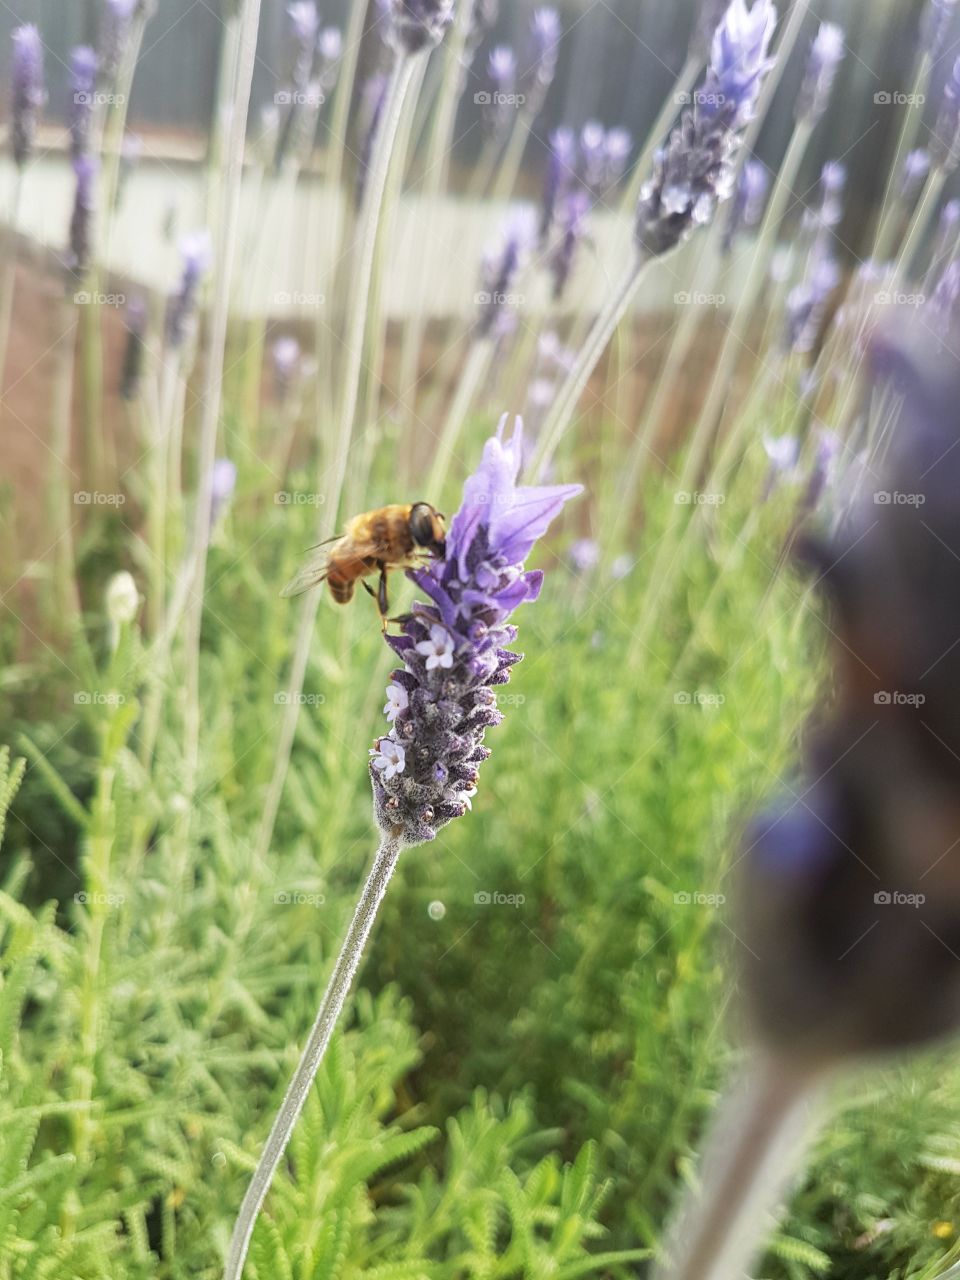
{"points": [[383, 600]]}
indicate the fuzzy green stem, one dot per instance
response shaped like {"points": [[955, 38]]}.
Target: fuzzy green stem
{"points": [[328, 1015], [757, 1144]]}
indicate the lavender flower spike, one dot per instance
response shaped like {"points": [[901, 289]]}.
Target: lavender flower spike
{"points": [[695, 171], [454, 650], [826, 54], [936, 26], [945, 144], [86, 168], [26, 77], [419, 24], [83, 82]]}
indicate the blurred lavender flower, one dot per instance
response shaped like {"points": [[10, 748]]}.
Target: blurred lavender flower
{"points": [[561, 170], [498, 273], [135, 322], [329, 53], [116, 19], [498, 109], [603, 157], [223, 482], [286, 355], [373, 97], [85, 168], [807, 303], [83, 81], [833, 184], [694, 172], [27, 92], [584, 555], [915, 169], [573, 229], [425, 771], [303, 26], [945, 143], [483, 17], [826, 54], [197, 254], [945, 301], [823, 473], [937, 18], [540, 65], [747, 206], [418, 24]]}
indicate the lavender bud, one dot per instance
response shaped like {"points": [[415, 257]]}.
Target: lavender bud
{"points": [[419, 24], [807, 304], [561, 171], [28, 96], [454, 649], [915, 169], [329, 53], [116, 20], [573, 221], [541, 60], [197, 252], [747, 206], [303, 24], [502, 69], [945, 144], [83, 81], [826, 54], [223, 481], [694, 172], [937, 18], [498, 272], [135, 322], [584, 556], [85, 168], [286, 356]]}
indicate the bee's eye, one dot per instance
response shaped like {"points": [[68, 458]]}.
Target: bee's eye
{"points": [[421, 525]]}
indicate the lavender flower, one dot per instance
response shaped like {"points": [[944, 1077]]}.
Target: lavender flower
{"points": [[584, 556], [329, 53], [135, 322], [303, 24], [85, 168], [541, 61], [826, 54], [196, 250], [83, 81], [937, 18], [498, 273], [747, 206], [286, 355], [560, 171], [454, 649], [373, 98], [573, 222], [115, 23], [223, 481], [807, 303], [694, 172], [603, 157], [28, 96], [483, 17], [945, 144], [418, 24], [915, 169], [502, 69]]}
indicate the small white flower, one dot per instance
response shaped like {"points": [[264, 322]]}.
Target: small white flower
{"points": [[397, 700], [389, 758], [438, 650], [466, 797]]}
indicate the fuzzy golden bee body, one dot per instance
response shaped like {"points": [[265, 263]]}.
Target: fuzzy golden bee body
{"points": [[393, 537]]}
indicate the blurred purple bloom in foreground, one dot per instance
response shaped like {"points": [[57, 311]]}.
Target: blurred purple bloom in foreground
{"points": [[826, 54], [419, 24], [425, 771], [694, 172], [27, 93], [83, 81]]}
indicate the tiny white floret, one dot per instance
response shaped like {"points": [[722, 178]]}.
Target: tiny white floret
{"points": [[438, 650], [389, 758], [397, 700]]}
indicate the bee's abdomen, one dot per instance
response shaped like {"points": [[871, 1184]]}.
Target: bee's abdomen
{"points": [[341, 587]]}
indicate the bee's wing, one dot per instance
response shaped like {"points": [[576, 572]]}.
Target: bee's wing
{"points": [[312, 573]]}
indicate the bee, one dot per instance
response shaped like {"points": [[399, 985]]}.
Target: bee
{"points": [[394, 537]]}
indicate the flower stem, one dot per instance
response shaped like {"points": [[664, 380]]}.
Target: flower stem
{"points": [[756, 1145], [475, 371], [328, 1015]]}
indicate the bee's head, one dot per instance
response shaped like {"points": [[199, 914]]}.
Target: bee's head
{"points": [[427, 528]]}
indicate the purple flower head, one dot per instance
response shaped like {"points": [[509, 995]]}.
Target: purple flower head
{"points": [[498, 273], [695, 171], [286, 356], [303, 25], [115, 21], [619, 144], [85, 168], [418, 24], [197, 253], [945, 144], [498, 104], [807, 303], [223, 481], [454, 649], [826, 54], [945, 303], [574, 215], [27, 92], [330, 44], [747, 206], [540, 65], [937, 18], [83, 82], [561, 171], [915, 169], [584, 555]]}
